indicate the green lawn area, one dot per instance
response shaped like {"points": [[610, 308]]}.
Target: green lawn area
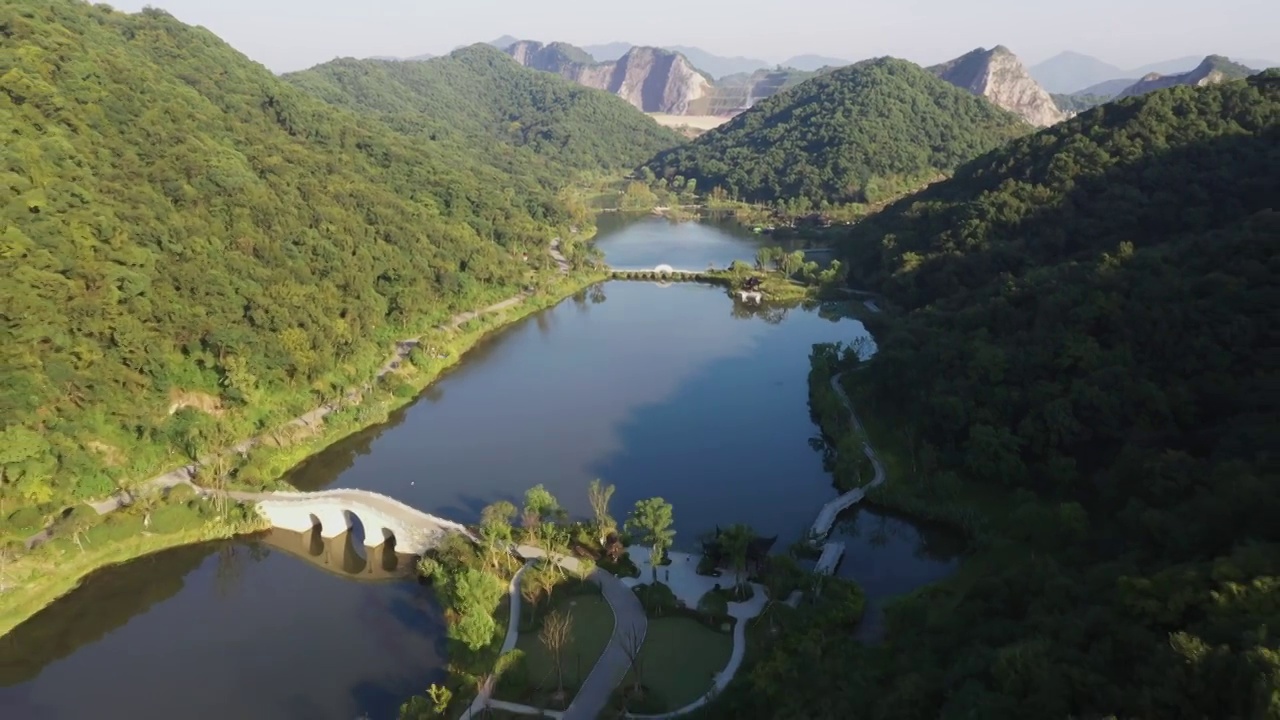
{"points": [[679, 657], [533, 681]]}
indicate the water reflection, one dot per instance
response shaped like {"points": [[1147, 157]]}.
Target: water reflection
{"points": [[344, 555], [642, 243], [676, 392], [245, 629], [889, 555], [650, 389]]}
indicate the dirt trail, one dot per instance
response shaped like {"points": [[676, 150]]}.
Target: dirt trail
{"points": [[185, 474]]}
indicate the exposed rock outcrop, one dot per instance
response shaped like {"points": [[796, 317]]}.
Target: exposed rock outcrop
{"points": [[651, 79], [734, 93], [1213, 69], [1000, 77]]}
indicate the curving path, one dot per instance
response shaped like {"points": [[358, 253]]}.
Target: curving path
{"points": [[484, 698], [832, 509], [185, 474], [628, 621], [629, 615]]}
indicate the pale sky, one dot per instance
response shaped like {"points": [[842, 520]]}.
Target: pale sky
{"points": [[289, 35]]}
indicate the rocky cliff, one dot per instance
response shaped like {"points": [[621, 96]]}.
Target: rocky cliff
{"points": [[651, 79], [734, 93], [1213, 69], [1000, 77]]}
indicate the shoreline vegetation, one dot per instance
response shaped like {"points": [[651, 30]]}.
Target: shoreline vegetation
{"points": [[81, 541]]}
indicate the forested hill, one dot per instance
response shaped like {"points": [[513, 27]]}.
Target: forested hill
{"points": [[182, 227], [479, 90], [1083, 372], [863, 133]]}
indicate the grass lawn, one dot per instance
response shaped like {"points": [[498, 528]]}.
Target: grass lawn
{"points": [[679, 658], [534, 681]]}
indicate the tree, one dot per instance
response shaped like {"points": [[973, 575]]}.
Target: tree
{"points": [[651, 521], [632, 641], [599, 494], [435, 703], [735, 540], [474, 594], [790, 263], [541, 504], [495, 529], [556, 633], [535, 582]]}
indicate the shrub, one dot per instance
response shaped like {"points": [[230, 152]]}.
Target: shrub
{"points": [[657, 599], [713, 603]]}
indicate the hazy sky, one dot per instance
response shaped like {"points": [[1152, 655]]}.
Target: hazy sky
{"points": [[294, 34]]}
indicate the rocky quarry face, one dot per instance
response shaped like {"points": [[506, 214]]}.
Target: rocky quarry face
{"points": [[651, 79], [1214, 69], [1000, 77]]}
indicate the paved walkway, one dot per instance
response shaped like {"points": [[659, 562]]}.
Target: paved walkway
{"points": [[832, 509], [831, 554], [689, 587], [629, 622], [508, 644]]}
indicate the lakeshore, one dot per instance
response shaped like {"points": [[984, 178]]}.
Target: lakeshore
{"points": [[43, 574], [686, 351]]}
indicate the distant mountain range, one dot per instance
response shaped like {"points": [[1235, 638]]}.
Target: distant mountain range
{"points": [[670, 81], [863, 133], [1078, 74], [686, 80], [1211, 70], [717, 66], [393, 58]]}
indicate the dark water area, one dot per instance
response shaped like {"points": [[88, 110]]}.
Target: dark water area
{"points": [[668, 390], [275, 626], [675, 392], [889, 555]]}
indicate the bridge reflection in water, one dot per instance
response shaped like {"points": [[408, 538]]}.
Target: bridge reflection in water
{"points": [[343, 555]]}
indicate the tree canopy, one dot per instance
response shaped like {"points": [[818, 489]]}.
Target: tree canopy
{"points": [[482, 93], [1085, 339], [186, 235], [862, 133]]}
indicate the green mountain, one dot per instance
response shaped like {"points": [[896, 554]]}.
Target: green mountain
{"points": [[484, 95], [1081, 372], [862, 133], [182, 228]]}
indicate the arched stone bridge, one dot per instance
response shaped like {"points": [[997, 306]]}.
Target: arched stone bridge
{"points": [[382, 517]]}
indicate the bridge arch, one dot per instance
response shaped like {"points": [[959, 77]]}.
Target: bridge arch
{"points": [[386, 521]]}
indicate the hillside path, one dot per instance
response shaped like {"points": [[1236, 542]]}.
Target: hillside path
{"points": [[185, 474]]}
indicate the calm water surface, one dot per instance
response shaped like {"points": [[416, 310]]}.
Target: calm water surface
{"points": [[247, 629], [673, 391], [631, 243]]}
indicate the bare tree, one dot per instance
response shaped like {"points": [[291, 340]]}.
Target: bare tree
{"points": [[556, 633], [531, 522], [599, 494], [632, 641]]}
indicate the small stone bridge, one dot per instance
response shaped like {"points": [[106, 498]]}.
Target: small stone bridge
{"points": [[383, 518]]}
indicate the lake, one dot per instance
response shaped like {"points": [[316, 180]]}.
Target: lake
{"points": [[670, 390]]}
